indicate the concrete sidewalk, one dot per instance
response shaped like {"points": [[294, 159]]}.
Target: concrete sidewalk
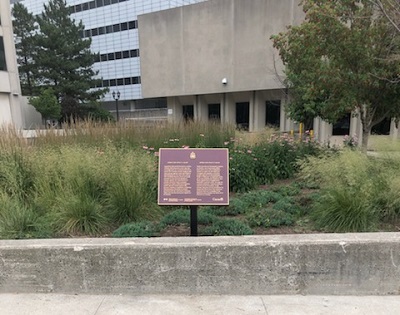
{"points": [[60, 304]]}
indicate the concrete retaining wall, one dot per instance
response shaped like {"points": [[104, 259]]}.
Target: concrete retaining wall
{"points": [[328, 264]]}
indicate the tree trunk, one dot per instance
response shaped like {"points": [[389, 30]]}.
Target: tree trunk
{"points": [[365, 136]]}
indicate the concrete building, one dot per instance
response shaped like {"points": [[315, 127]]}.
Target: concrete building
{"points": [[215, 60], [10, 108], [113, 28]]}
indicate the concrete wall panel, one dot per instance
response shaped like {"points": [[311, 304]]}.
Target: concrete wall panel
{"points": [[326, 264], [189, 50]]}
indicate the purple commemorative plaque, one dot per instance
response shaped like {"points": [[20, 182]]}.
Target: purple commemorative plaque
{"points": [[193, 177]]}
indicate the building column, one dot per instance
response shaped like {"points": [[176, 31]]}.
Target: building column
{"points": [[230, 110], [223, 109], [200, 109], [173, 109], [252, 114], [259, 111], [394, 131]]}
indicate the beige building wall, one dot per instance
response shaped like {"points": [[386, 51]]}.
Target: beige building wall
{"points": [[219, 52], [191, 49], [10, 91]]}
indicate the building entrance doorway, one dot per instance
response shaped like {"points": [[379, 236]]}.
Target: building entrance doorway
{"points": [[242, 115]]}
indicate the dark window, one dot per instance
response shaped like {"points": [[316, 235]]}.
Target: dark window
{"points": [[114, 1], [135, 80], [95, 32], [97, 58], [92, 4], [128, 81], [78, 8], [131, 25], [383, 128], [124, 26], [106, 83], [109, 29], [3, 64], [273, 113], [87, 33], [102, 30], [107, 2], [125, 54], [99, 3], [118, 55], [214, 112], [110, 56], [242, 115], [71, 10], [188, 112], [113, 82], [116, 28], [99, 84], [342, 126], [134, 53], [85, 6], [103, 57], [120, 81]]}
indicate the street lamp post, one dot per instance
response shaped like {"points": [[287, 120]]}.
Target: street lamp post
{"points": [[116, 97]]}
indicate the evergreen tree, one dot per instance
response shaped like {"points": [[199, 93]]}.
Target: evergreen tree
{"points": [[64, 59], [25, 32]]}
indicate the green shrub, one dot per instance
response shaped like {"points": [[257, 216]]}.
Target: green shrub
{"points": [[289, 190], [265, 170], [267, 217], [182, 216], [138, 229], [236, 206], [283, 155], [242, 175], [227, 227], [259, 198], [287, 205]]}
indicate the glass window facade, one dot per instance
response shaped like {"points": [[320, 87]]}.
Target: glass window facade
{"points": [[3, 64], [113, 28]]}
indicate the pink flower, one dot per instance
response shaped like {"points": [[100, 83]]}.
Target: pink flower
{"points": [[151, 149], [201, 135], [226, 142], [249, 151], [185, 147], [145, 147], [156, 154]]}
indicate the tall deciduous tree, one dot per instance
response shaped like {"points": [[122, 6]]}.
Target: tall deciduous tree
{"points": [[64, 59], [343, 58], [47, 104], [390, 10], [25, 30]]}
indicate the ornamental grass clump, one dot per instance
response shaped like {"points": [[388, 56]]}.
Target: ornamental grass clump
{"points": [[356, 190], [17, 220]]}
